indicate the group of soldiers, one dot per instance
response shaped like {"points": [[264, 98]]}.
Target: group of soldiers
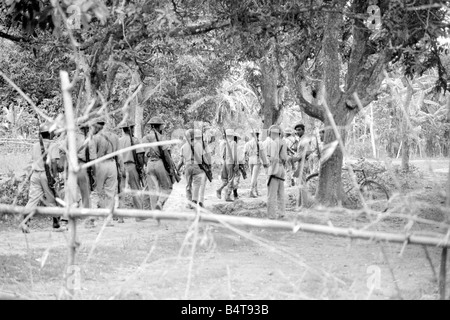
{"points": [[283, 153], [152, 170], [100, 185]]}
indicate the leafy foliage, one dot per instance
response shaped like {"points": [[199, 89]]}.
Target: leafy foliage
{"points": [[10, 189]]}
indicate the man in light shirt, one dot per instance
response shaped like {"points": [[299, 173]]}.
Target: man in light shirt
{"points": [[229, 164], [40, 190], [256, 154], [277, 156]]}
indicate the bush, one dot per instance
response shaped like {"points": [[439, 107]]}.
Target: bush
{"points": [[12, 187]]}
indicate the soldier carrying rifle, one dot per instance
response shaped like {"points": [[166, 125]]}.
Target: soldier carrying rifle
{"points": [[161, 171], [43, 179], [134, 163], [109, 172]]}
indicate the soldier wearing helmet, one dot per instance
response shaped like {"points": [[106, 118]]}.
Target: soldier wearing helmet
{"points": [[41, 189], [277, 155], [254, 151], [192, 155], [160, 178], [85, 182], [229, 164], [109, 171], [133, 162]]}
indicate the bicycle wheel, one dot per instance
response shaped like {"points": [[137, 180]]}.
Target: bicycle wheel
{"points": [[375, 195], [312, 183]]}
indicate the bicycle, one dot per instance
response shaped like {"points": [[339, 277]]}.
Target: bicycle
{"points": [[375, 195]]}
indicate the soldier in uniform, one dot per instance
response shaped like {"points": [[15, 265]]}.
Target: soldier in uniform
{"points": [[229, 166], [303, 150], [291, 144], [314, 157], [159, 180], [195, 176], [108, 171], [240, 158], [40, 190], [83, 179], [277, 155], [256, 154], [198, 135], [187, 159], [132, 176]]}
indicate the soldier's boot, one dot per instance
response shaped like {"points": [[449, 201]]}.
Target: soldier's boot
{"points": [[235, 194], [219, 194], [252, 193], [56, 222], [228, 196], [89, 224], [159, 207], [189, 206], [63, 224], [201, 204]]}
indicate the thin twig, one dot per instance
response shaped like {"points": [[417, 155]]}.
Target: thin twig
{"points": [[433, 270], [392, 272], [191, 260]]}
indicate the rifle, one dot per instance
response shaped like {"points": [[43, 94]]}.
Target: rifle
{"points": [[136, 162], [89, 170], [206, 166], [168, 163], [50, 179], [203, 166]]}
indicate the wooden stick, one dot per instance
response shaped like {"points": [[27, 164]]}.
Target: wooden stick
{"points": [[71, 187], [443, 274], [438, 241]]}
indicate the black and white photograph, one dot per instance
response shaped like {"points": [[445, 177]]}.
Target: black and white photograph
{"points": [[224, 154]]}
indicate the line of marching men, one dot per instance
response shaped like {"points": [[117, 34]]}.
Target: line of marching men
{"points": [[100, 184]]}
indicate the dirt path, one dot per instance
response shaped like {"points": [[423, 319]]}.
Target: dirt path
{"points": [[143, 260]]}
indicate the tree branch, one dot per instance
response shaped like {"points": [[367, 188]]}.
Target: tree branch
{"points": [[12, 38], [306, 103]]}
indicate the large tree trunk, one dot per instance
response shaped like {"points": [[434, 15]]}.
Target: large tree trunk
{"points": [[269, 90], [405, 129], [330, 191]]}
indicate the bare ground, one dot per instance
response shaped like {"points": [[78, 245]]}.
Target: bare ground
{"points": [[144, 260]]}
